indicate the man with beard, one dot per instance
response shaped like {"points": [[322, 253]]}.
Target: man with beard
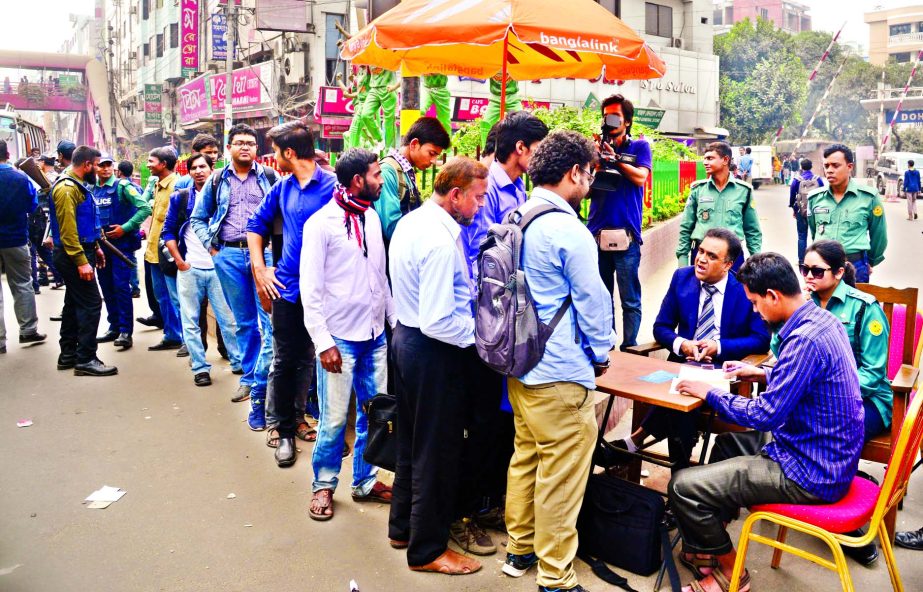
{"points": [[433, 354], [346, 299], [74, 231], [294, 200], [553, 407]]}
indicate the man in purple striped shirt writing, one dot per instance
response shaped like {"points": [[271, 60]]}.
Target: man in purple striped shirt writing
{"points": [[811, 405]]}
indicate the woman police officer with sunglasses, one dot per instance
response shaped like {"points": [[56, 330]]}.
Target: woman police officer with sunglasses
{"points": [[830, 280]]}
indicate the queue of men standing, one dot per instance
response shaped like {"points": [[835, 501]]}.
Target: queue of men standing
{"points": [[324, 264]]}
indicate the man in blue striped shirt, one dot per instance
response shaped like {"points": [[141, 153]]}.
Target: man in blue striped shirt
{"points": [[812, 406]]}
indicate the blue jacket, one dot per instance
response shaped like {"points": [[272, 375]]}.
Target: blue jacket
{"points": [[17, 201], [743, 332], [912, 180], [173, 229], [210, 210]]}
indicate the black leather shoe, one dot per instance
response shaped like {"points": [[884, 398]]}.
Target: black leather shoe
{"points": [[110, 335], [32, 338], [202, 379], [182, 352], [910, 539], [124, 341], [866, 555], [285, 452], [165, 345], [66, 362], [150, 321], [94, 368]]}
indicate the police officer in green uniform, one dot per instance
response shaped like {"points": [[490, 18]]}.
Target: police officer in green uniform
{"points": [[720, 201], [74, 231], [438, 94], [849, 213], [382, 96], [830, 279], [491, 115]]}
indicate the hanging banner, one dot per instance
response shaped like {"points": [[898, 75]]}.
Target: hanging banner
{"points": [[152, 105], [251, 89], [219, 36], [189, 37]]}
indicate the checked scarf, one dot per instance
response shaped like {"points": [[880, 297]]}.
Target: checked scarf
{"points": [[354, 215]]}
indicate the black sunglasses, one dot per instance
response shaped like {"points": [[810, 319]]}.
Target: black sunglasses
{"points": [[816, 272]]}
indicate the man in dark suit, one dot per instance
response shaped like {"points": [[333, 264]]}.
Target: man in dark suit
{"points": [[705, 317]]}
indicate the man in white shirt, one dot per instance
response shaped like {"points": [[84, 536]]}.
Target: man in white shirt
{"points": [[346, 299], [433, 353], [196, 278]]}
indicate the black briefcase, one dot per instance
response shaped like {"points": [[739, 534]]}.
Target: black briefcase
{"points": [[621, 523], [381, 443]]}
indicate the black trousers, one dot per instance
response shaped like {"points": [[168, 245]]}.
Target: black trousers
{"points": [[488, 446], [678, 428], [149, 291], [293, 357], [431, 397], [203, 328], [82, 307]]}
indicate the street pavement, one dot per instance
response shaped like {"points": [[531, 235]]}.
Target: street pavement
{"points": [[180, 450]]}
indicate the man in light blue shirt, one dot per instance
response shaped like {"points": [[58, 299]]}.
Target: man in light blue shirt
{"points": [[746, 164], [552, 404], [518, 135], [434, 363]]}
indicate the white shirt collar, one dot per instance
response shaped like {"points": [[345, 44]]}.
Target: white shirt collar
{"points": [[721, 285]]}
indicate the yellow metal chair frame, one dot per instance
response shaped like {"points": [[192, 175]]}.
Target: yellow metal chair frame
{"points": [[892, 491]]}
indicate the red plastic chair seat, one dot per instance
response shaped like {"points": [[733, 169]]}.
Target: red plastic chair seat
{"points": [[853, 511]]}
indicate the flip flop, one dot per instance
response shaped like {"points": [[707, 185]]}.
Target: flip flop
{"points": [[272, 438], [722, 581], [695, 565], [306, 432], [325, 497]]}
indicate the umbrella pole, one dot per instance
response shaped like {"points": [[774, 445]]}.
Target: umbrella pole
{"points": [[506, 44]]}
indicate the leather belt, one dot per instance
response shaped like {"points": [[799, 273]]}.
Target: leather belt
{"points": [[241, 244], [856, 257]]}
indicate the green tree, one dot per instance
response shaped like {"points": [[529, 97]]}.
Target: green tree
{"points": [[763, 83]]}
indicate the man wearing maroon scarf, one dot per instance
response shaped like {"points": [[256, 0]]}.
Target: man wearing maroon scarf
{"points": [[346, 300]]}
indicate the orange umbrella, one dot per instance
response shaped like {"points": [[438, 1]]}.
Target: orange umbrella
{"points": [[521, 39]]}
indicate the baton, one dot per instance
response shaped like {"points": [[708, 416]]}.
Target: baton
{"points": [[112, 248]]}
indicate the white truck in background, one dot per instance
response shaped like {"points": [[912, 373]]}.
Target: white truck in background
{"points": [[761, 173]]}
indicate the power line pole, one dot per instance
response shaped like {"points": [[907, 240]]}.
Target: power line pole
{"points": [[230, 15]]}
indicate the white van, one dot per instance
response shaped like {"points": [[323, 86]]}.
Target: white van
{"points": [[762, 164]]}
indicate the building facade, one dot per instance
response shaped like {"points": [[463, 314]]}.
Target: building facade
{"points": [[791, 17], [895, 34]]}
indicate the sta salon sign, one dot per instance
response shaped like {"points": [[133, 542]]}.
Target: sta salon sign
{"points": [[661, 85]]}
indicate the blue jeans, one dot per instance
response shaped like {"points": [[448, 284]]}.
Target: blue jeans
{"points": [[114, 282], [193, 286], [169, 304], [874, 424], [133, 272], [801, 222], [365, 369], [624, 265], [254, 331]]}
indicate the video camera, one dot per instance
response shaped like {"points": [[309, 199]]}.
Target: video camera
{"points": [[609, 176]]}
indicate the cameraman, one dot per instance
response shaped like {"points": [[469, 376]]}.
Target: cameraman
{"points": [[615, 209]]}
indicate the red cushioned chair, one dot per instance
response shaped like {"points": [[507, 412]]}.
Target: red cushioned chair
{"points": [[864, 503]]}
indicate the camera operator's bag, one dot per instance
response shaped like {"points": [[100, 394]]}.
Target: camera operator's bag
{"points": [[508, 335], [613, 239]]}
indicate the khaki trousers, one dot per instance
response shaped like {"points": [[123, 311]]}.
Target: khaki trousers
{"points": [[555, 434]]}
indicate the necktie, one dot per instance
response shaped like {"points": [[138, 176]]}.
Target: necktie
{"points": [[706, 325]]}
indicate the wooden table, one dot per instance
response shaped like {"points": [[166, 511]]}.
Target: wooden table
{"points": [[623, 380]]}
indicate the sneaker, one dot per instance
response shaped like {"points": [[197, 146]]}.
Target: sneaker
{"points": [[242, 394], [257, 418], [577, 588], [516, 566], [471, 537], [494, 519]]}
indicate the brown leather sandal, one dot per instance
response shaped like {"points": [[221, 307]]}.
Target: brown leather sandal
{"points": [[324, 500]]}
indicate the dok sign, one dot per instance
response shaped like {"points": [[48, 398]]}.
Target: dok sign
{"points": [[204, 96]]}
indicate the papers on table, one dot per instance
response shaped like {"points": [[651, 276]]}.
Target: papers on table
{"points": [[101, 498], [713, 377]]}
